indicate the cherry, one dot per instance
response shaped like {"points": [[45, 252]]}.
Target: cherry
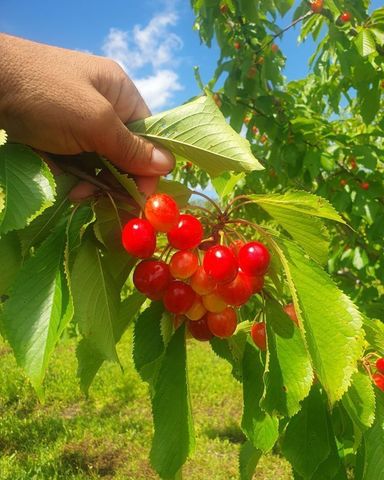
{"points": [[246, 120], [364, 185], [289, 309], [139, 238], [217, 99], [183, 264], [220, 263], [213, 303], [202, 283], [378, 380], [274, 48], [263, 138], [352, 162], [222, 324], [187, 233], [380, 365], [258, 335], [237, 292], [178, 297], [199, 329], [236, 245], [162, 212], [316, 6], [223, 8], [345, 17], [237, 45], [197, 309], [257, 283], [152, 277], [343, 182], [255, 130], [254, 259]]}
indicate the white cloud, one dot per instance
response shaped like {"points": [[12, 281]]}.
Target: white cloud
{"points": [[154, 46]]}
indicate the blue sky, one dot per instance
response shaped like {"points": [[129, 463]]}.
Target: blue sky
{"points": [[152, 39]]}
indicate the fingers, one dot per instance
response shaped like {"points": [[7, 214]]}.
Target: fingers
{"points": [[147, 185]]}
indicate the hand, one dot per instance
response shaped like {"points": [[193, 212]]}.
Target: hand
{"points": [[67, 102]]}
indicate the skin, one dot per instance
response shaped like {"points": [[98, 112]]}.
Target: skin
{"points": [[67, 102]]}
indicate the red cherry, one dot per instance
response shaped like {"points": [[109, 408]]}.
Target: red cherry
{"points": [[380, 365], [213, 302], [257, 283], [254, 259], [255, 130], [378, 380], [223, 8], [237, 45], [183, 264], [316, 6], [139, 238], [274, 48], [199, 329], [289, 309], [345, 17], [237, 292], [178, 297], [197, 309], [364, 185], [187, 233], [152, 278], [343, 182], [202, 283], [352, 162], [222, 324], [236, 245], [162, 212], [220, 263], [258, 335]]}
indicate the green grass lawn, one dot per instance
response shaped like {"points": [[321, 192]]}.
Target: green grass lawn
{"points": [[109, 435]]}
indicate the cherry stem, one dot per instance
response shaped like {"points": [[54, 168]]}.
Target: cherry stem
{"points": [[250, 224], [165, 251], [198, 207], [234, 232], [236, 207], [194, 192], [234, 200]]}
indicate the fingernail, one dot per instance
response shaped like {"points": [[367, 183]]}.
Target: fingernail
{"points": [[162, 161]]}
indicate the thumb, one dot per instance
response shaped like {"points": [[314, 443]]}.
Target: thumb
{"points": [[130, 152]]}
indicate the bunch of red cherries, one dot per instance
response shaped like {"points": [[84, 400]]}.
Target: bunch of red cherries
{"points": [[378, 377], [204, 281]]}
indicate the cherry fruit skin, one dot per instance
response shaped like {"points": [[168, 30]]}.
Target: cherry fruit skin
{"points": [[178, 297], [380, 365], [364, 185], [258, 335], [238, 291], [197, 310], [378, 380], [254, 259], [236, 245], [139, 238], [183, 264], [187, 234], [220, 263], [162, 212], [152, 278], [345, 17], [316, 6], [199, 329], [257, 283], [289, 309], [214, 303], [202, 283], [222, 324]]}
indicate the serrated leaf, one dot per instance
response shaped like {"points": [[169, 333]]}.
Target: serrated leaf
{"points": [[10, 260], [89, 359], [96, 299], [374, 444], [306, 440], [225, 183], [261, 428], [39, 307], [3, 137], [27, 184], [365, 42], [148, 344], [289, 376], [359, 401], [374, 333], [179, 192], [197, 132], [331, 322], [173, 438], [249, 457]]}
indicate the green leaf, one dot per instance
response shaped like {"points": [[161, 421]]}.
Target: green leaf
{"points": [[197, 132], [96, 299], [365, 42], [289, 376], [374, 333], [261, 428], [331, 322], [174, 438], [177, 190], [39, 307], [374, 444], [226, 182], [10, 260], [306, 441], [359, 401], [89, 359], [248, 459], [148, 344], [27, 184]]}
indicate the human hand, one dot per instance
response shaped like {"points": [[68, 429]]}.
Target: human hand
{"points": [[67, 102]]}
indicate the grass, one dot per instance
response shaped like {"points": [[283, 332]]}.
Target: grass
{"points": [[108, 436]]}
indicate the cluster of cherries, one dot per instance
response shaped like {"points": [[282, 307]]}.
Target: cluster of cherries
{"points": [[203, 280], [378, 377]]}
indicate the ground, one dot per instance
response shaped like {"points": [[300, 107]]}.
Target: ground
{"points": [[108, 436]]}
